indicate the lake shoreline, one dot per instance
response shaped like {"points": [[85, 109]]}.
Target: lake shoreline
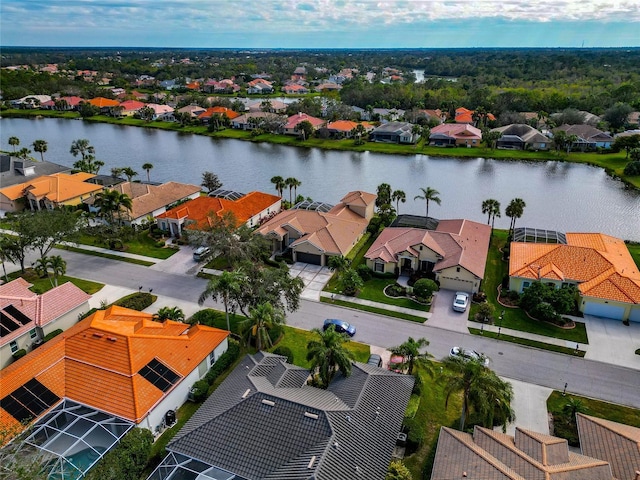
{"points": [[612, 163]]}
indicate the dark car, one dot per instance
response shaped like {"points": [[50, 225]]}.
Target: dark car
{"points": [[340, 325], [375, 360]]}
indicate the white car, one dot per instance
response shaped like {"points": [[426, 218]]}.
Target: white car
{"points": [[460, 301], [469, 355]]}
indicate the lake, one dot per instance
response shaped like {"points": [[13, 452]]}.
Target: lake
{"points": [[559, 196]]}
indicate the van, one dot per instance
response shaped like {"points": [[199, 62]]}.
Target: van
{"points": [[200, 253]]}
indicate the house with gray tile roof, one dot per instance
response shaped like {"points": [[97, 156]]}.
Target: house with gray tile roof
{"points": [[394, 132], [519, 136], [588, 137], [265, 422], [14, 170]]}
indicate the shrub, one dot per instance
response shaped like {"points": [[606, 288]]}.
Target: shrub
{"points": [[544, 311], [632, 168], [19, 354], [82, 316], [563, 299], [275, 333], [424, 288], [396, 290], [364, 272], [505, 282], [199, 391], [136, 301], [513, 295], [50, 335], [285, 352], [485, 312], [225, 360], [127, 460], [207, 317], [160, 244]]}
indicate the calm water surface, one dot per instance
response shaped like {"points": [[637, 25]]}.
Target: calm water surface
{"points": [[559, 196]]}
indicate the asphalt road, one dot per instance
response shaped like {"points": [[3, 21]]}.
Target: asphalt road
{"points": [[584, 377]]}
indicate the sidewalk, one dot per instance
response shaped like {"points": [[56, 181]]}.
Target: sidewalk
{"points": [[530, 336], [383, 306], [115, 253]]}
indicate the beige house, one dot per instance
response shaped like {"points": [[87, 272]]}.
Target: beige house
{"points": [[26, 317], [599, 265], [456, 252], [314, 236]]}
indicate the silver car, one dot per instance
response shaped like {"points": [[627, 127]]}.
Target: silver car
{"points": [[469, 355], [460, 301]]}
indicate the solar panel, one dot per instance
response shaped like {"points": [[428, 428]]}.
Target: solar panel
{"points": [[159, 375], [8, 323], [17, 314], [29, 400]]}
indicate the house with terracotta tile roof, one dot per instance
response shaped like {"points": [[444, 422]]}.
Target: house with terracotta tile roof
{"points": [[453, 134], [600, 266], [259, 86], [269, 105], [294, 120], [28, 317], [464, 115], [199, 213], [193, 110], [49, 191], [205, 116], [128, 108], [104, 104], [118, 366], [315, 235], [328, 87], [489, 454], [295, 89], [613, 442], [63, 103], [456, 252], [343, 128], [148, 201]]}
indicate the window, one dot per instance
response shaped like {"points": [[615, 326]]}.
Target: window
{"points": [[525, 285], [212, 357], [457, 269], [14, 346], [33, 334], [378, 267]]}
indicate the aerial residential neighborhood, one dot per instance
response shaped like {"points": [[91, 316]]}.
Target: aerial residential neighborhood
{"points": [[178, 312]]}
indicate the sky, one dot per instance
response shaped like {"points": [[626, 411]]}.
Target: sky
{"points": [[312, 24]]}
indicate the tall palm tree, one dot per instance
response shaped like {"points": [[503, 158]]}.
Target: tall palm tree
{"points": [[147, 167], [398, 196], [428, 195], [482, 390], [410, 351], [514, 210], [14, 142], [328, 354], [40, 146], [279, 183], [290, 182], [82, 147], [261, 319], [223, 286], [129, 173], [111, 202], [491, 207], [58, 266]]}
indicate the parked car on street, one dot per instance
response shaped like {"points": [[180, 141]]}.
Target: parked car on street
{"points": [[340, 325], [460, 301], [469, 355]]}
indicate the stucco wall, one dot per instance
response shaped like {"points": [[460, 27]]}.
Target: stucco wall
{"points": [[448, 276]]}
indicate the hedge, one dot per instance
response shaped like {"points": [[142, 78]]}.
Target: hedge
{"points": [[50, 335], [19, 353], [225, 360], [136, 301]]}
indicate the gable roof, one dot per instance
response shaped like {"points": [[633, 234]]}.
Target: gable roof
{"points": [[294, 120], [199, 209], [132, 105], [57, 187], [210, 112], [267, 424], [98, 361], [525, 456], [600, 264], [41, 309], [347, 125], [586, 133], [614, 442], [456, 242], [525, 132], [455, 130]]}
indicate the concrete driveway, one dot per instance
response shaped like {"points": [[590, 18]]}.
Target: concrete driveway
{"points": [[181, 262], [443, 315], [611, 341], [314, 277]]}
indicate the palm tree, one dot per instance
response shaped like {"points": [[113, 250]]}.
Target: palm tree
{"points": [[147, 167], [294, 183], [428, 195], [111, 201], [398, 196], [261, 319], [41, 266], [279, 183], [491, 207], [23, 153], [82, 147], [328, 354], [416, 131], [116, 171], [224, 286], [129, 173], [40, 146], [410, 351], [481, 390], [7, 254], [14, 142], [338, 263], [514, 210], [169, 313], [58, 266]]}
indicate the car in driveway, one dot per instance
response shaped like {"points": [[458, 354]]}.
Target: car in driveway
{"points": [[460, 301], [340, 325], [375, 360], [460, 352], [201, 252]]}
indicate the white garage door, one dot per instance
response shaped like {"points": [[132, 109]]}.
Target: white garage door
{"points": [[635, 314], [603, 310], [456, 284]]}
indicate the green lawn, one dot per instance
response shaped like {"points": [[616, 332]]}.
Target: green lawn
{"points": [[530, 343], [516, 318], [297, 340], [597, 408], [634, 250], [141, 244], [108, 255], [379, 311], [41, 285]]}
